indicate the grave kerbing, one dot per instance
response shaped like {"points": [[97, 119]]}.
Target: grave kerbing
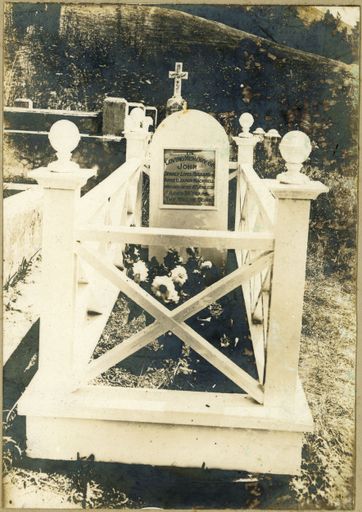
{"points": [[23, 103]]}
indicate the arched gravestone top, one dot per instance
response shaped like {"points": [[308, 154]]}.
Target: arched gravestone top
{"points": [[189, 172], [190, 127]]}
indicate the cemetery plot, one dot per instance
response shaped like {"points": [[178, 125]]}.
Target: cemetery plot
{"points": [[204, 299], [190, 312]]}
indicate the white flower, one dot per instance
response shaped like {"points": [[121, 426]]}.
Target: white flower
{"points": [[163, 287], [206, 264], [179, 275], [140, 271], [224, 341]]}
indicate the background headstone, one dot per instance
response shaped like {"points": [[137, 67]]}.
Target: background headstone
{"points": [[114, 113]]}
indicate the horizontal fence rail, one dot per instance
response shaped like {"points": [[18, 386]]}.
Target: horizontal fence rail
{"points": [[95, 199], [169, 237]]}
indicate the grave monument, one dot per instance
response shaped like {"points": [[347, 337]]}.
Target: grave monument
{"points": [[189, 159], [176, 102]]}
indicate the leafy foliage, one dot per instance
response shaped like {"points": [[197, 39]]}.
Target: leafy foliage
{"points": [[303, 28], [333, 224], [283, 88], [65, 66]]}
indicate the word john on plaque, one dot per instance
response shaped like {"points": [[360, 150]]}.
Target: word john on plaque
{"points": [[189, 178]]}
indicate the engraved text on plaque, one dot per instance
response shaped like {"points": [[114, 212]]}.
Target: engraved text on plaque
{"points": [[189, 177]]}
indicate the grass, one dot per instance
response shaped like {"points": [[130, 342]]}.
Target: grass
{"points": [[327, 370], [20, 274]]}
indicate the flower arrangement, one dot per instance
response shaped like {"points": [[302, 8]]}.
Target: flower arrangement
{"points": [[174, 281]]}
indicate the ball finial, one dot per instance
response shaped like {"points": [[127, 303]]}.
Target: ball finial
{"points": [[246, 121], [135, 120], [295, 147], [137, 114], [64, 137]]}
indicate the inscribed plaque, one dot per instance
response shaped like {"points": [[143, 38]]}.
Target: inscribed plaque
{"points": [[189, 177]]}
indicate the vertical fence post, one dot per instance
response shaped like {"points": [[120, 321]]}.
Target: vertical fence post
{"points": [[246, 141], [137, 139], [61, 181], [136, 133], [293, 192]]}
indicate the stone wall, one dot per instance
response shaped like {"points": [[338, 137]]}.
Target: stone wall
{"points": [[34, 119]]}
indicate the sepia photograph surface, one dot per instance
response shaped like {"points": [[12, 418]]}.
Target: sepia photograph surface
{"points": [[179, 255]]}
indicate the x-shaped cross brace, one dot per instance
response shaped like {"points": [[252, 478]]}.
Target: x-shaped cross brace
{"points": [[166, 320]]}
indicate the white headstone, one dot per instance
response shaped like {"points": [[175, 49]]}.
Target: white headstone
{"points": [[189, 174]]}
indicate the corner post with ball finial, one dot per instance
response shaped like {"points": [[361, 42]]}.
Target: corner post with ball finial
{"points": [[61, 181], [293, 193]]}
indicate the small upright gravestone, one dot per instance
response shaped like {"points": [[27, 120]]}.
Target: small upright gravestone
{"points": [[114, 114], [189, 175]]}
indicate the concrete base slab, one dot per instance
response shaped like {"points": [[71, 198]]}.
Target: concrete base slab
{"points": [[260, 451], [164, 428]]}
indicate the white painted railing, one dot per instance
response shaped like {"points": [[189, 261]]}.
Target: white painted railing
{"points": [[112, 190], [70, 289], [274, 296], [115, 202], [270, 243], [112, 203]]}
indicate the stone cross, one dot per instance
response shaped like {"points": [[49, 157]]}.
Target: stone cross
{"points": [[178, 75]]}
